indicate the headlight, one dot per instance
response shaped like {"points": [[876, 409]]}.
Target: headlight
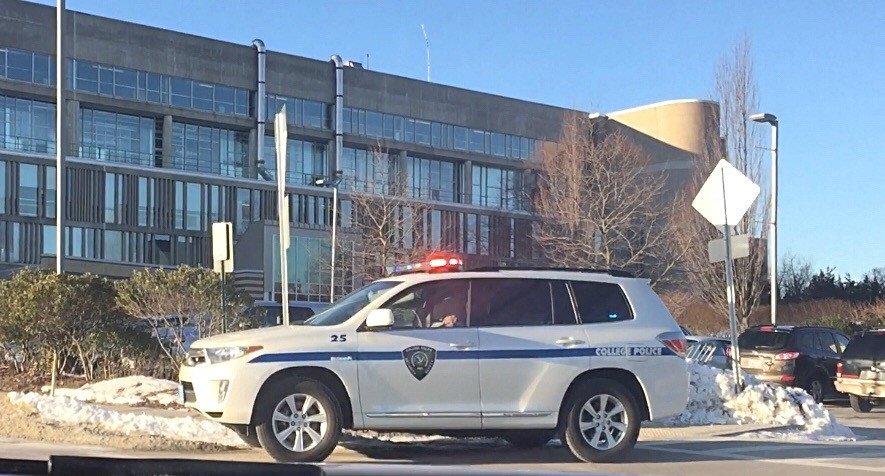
{"points": [[223, 354]]}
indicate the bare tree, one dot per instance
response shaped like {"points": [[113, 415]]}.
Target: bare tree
{"points": [[736, 140], [389, 225], [794, 277], [599, 204]]}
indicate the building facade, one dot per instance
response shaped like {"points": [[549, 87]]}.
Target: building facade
{"points": [[167, 133]]}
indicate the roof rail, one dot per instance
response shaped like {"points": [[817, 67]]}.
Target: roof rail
{"points": [[618, 273]]}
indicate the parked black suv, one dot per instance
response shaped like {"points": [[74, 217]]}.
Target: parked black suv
{"points": [[803, 357], [861, 372]]}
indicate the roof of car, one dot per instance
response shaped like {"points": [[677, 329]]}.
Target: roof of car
{"points": [[538, 273]]}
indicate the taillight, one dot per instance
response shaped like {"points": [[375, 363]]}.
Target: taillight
{"points": [[839, 373], [766, 329], [674, 341], [786, 356]]}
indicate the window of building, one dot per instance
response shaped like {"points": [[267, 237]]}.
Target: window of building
{"points": [[510, 302], [145, 194], [422, 132], [113, 245], [27, 125], [600, 302], [117, 137], [366, 171], [304, 160], [156, 88], [49, 177], [497, 188], [373, 124], [209, 150], [431, 179], [194, 207], [3, 196], [477, 141], [484, 235], [179, 205], [471, 233], [243, 210], [110, 198], [309, 278], [49, 240], [27, 190]]}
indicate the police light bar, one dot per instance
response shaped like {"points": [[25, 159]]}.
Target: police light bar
{"points": [[433, 265]]}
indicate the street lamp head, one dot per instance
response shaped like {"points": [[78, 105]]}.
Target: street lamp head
{"points": [[320, 182], [596, 115], [764, 117]]}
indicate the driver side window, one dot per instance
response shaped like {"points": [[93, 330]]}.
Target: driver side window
{"points": [[428, 305]]}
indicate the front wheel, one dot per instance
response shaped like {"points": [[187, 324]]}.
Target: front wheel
{"points": [[602, 423], [860, 404], [299, 421]]}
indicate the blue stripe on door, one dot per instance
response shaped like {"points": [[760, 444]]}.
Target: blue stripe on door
{"points": [[449, 355]]}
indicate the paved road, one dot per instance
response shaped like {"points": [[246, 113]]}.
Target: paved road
{"points": [[704, 455]]}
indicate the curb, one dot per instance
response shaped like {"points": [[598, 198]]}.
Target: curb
{"points": [[706, 431]]}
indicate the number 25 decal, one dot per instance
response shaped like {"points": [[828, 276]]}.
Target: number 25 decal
{"points": [[339, 337]]}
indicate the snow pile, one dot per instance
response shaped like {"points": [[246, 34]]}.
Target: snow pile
{"points": [[713, 401], [135, 390], [67, 410]]}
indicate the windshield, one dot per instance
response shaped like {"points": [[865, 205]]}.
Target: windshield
{"points": [[763, 340], [350, 305]]}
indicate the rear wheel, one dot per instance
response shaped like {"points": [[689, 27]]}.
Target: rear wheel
{"points": [[602, 422], [528, 438], [298, 421], [860, 404]]}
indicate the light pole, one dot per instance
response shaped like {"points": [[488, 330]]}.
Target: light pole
{"points": [[60, 141], [772, 234], [333, 183]]}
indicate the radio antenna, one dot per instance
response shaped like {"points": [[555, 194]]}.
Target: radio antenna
{"points": [[427, 49]]}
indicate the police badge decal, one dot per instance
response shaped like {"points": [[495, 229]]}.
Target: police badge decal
{"points": [[419, 360]]}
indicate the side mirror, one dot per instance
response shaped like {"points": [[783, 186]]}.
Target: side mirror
{"points": [[379, 319]]}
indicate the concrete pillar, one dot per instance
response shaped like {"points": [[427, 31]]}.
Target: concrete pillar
{"points": [[466, 181], [167, 142], [72, 128]]}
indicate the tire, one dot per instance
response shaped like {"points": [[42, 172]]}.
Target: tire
{"points": [[860, 404], [528, 438], [815, 388], [602, 395], [315, 402], [247, 434]]}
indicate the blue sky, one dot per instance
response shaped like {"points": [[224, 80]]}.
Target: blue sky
{"points": [[820, 67]]}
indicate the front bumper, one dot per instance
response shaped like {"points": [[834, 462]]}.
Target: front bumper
{"points": [[861, 388], [224, 392]]}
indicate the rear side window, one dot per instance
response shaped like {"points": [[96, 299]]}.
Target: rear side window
{"points": [[298, 313], [510, 302], [828, 342], [600, 302], [867, 347], [763, 340]]}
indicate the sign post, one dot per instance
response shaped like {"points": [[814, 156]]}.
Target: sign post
{"points": [[723, 200], [223, 260], [281, 139]]}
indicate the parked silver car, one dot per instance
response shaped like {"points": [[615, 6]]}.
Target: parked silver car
{"points": [[712, 351]]}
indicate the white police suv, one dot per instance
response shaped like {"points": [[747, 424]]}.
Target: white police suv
{"points": [[524, 354]]}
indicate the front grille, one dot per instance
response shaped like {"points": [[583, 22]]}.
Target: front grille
{"points": [[189, 395]]}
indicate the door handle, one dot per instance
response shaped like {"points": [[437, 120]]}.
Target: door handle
{"points": [[568, 341], [462, 346]]}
